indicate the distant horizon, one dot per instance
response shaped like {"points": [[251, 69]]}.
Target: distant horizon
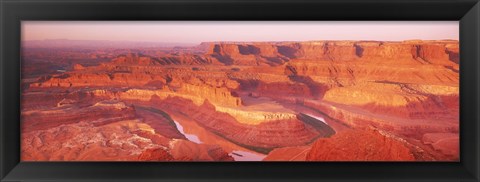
{"points": [[196, 32], [318, 40], [180, 44]]}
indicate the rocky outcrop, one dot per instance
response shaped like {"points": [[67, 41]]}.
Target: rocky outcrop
{"points": [[78, 67], [188, 151], [100, 79], [182, 150], [108, 133], [87, 142], [359, 146], [98, 114], [253, 117], [446, 143], [261, 138], [221, 96], [157, 154]]}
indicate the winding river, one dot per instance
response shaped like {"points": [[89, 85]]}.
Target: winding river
{"points": [[238, 155]]}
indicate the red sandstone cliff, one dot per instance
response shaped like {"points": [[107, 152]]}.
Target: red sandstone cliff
{"points": [[264, 53]]}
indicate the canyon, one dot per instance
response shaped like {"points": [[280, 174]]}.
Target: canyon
{"points": [[244, 101]]}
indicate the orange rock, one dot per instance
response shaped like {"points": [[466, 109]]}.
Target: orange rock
{"points": [[269, 53], [359, 146], [188, 151], [261, 138], [407, 88], [157, 154], [288, 154], [78, 67]]}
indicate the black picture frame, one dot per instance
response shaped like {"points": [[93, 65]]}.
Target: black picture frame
{"points": [[12, 12]]}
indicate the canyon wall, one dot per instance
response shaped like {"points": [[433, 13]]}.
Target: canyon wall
{"points": [[275, 53]]}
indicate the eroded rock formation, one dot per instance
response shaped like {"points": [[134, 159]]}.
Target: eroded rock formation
{"points": [[316, 100], [359, 146]]}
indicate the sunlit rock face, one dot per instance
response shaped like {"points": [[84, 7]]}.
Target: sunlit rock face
{"points": [[287, 101], [359, 146]]}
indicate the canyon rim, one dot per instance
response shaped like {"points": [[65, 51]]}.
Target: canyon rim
{"points": [[241, 100]]}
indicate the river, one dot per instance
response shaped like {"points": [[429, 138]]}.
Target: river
{"points": [[318, 118], [191, 137], [238, 155]]}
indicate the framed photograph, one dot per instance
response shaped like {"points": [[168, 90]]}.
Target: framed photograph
{"points": [[239, 90]]}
